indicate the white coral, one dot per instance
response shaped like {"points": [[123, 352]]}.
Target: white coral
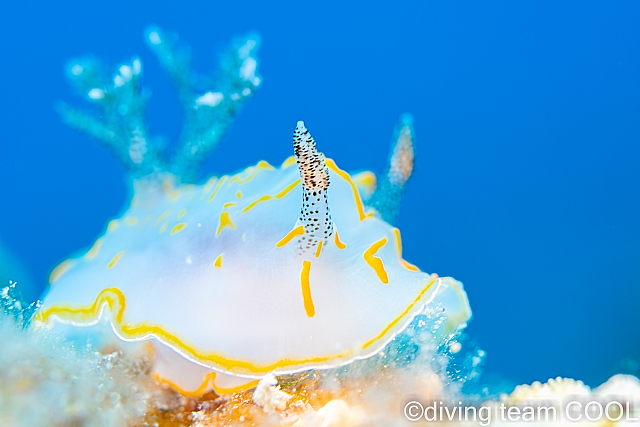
{"points": [[553, 389], [336, 413], [269, 396]]}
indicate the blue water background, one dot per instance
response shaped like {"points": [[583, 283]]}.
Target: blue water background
{"points": [[527, 184]]}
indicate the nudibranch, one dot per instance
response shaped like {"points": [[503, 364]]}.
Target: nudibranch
{"points": [[272, 270]]}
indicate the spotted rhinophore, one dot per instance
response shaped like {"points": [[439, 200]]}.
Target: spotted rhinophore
{"points": [[275, 269]]}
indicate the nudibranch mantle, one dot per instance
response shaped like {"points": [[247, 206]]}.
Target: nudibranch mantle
{"points": [[214, 273]]}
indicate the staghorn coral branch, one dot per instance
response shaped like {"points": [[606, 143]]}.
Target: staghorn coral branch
{"points": [[175, 59], [212, 112], [209, 104], [121, 106], [88, 124]]}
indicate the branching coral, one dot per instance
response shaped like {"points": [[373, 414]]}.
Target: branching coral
{"points": [[209, 105]]}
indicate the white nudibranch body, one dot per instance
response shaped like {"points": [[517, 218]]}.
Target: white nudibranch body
{"points": [[233, 280]]}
